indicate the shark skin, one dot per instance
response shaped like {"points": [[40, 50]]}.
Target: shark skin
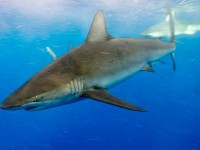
{"points": [[161, 29], [89, 70]]}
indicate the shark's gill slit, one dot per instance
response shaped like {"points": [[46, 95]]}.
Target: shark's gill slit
{"points": [[72, 87], [76, 86]]}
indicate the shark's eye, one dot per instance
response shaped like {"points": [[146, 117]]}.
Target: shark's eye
{"points": [[35, 99]]}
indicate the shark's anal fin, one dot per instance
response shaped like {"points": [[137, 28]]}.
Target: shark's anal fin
{"points": [[148, 68], [173, 61], [103, 96]]}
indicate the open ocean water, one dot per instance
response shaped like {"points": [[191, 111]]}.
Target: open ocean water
{"points": [[172, 99]]}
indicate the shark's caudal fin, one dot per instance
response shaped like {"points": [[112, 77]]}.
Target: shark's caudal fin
{"points": [[172, 34], [173, 61], [98, 30], [171, 26], [173, 15], [103, 96]]}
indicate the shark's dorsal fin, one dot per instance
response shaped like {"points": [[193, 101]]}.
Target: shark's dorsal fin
{"points": [[98, 30], [103, 96]]}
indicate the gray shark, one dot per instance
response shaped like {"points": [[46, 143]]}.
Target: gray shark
{"points": [[182, 27], [89, 70]]}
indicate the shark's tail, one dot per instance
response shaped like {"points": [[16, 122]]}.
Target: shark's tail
{"points": [[171, 26], [172, 34]]}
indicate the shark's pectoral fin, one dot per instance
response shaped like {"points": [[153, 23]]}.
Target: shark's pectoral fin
{"points": [[103, 96], [51, 53], [173, 61], [148, 68]]}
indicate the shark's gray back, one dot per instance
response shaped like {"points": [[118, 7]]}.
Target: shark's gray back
{"points": [[97, 62]]}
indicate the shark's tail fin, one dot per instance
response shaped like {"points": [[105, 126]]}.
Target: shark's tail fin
{"points": [[172, 34], [171, 25], [173, 15]]}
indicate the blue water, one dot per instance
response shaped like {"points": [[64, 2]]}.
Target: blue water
{"points": [[172, 121]]}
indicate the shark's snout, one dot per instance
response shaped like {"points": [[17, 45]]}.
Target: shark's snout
{"points": [[8, 107], [10, 104], [3, 106]]}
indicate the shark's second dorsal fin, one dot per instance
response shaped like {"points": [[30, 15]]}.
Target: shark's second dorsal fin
{"points": [[98, 30], [172, 34]]}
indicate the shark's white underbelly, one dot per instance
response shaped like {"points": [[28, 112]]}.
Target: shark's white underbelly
{"points": [[109, 79]]}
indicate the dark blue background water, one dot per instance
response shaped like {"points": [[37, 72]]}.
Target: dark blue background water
{"points": [[171, 98]]}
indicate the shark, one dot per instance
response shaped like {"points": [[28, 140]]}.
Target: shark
{"points": [[182, 27], [90, 70]]}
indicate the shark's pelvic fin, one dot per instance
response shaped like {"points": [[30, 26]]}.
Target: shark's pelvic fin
{"points": [[103, 96], [148, 68], [172, 33], [98, 30], [51, 53]]}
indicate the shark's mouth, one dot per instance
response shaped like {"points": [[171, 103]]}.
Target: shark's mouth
{"points": [[33, 106], [42, 105], [36, 106]]}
